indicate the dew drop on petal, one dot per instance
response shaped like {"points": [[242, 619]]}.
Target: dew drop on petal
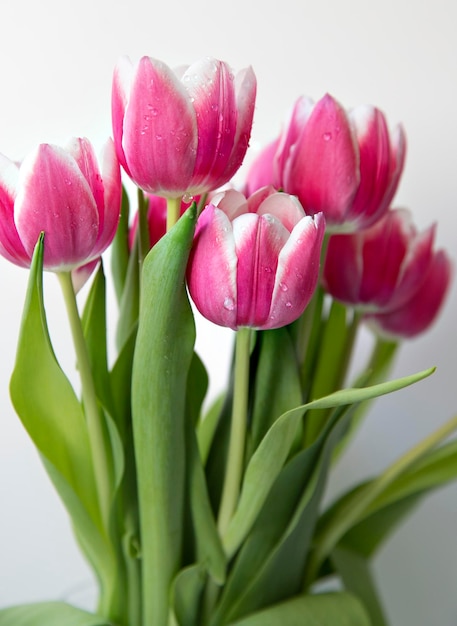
{"points": [[187, 198], [283, 287], [327, 136], [229, 304], [288, 304]]}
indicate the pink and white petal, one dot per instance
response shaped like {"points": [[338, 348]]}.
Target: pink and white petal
{"points": [[211, 271], [289, 137], [10, 244], [122, 78], [83, 153], [260, 173], [245, 94], [258, 241], [324, 171], [421, 311], [297, 272], [375, 165], [258, 197], [80, 275], [111, 177], [160, 130], [398, 156], [232, 202], [209, 84], [67, 213], [287, 209]]}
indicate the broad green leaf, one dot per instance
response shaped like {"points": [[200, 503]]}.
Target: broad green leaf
{"points": [[49, 614], [356, 576], [120, 252], [281, 536], [273, 394], [187, 590], [45, 400], [208, 543], [163, 354], [326, 609], [271, 454]]}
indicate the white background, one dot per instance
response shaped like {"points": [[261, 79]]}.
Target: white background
{"points": [[56, 62]]}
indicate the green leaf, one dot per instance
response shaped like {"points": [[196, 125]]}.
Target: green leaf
{"points": [[130, 300], [273, 451], [95, 332], [356, 577], [45, 401], [273, 394], [49, 614], [326, 609], [120, 251], [331, 360], [281, 536], [207, 427], [186, 594], [163, 354]]}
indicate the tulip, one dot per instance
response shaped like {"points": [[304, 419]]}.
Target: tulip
{"points": [[183, 131], [381, 268], [344, 164], [418, 313], [62, 193], [255, 261]]}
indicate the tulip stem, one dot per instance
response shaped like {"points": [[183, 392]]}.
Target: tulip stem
{"points": [[143, 228], [235, 459], [95, 428], [173, 211]]}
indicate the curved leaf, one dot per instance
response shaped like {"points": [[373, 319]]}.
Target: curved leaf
{"points": [[49, 614]]}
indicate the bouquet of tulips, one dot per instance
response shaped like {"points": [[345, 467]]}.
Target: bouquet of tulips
{"points": [[197, 511]]}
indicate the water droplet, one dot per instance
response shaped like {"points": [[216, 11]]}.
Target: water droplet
{"points": [[327, 136], [267, 269], [229, 304], [159, 137], [289, 304], [187, 198], [215, 106], [283, 287], [68, 181]]}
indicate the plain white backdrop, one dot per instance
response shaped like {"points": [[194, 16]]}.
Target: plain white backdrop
{"points": [[56, 63]]}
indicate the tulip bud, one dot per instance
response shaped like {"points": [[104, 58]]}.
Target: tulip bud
{"points": [[181, 131], [62, 193], [390, 272], [345, 164], [255, 261]]}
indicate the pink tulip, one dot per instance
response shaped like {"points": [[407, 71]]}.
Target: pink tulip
{"points": [[254, 261], [381, 268], [345, 164], [63, 194], [418, 313], [181, 131]]}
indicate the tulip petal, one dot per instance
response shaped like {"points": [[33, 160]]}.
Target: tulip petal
{"points": [[209, 84], [324, 172], [159, 131], [213, 255], [258, 242], [284, 207], [421, 310], [10, 244], [55, 198], [289, 137], [109, 216], [122, 79], [375, 165], [245, 93], [297, 271], [260, 172]]}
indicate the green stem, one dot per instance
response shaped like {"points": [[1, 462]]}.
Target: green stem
{"points": [[173, 211], [235, 459], [144, 243], [357, 508], [99, 452]]}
